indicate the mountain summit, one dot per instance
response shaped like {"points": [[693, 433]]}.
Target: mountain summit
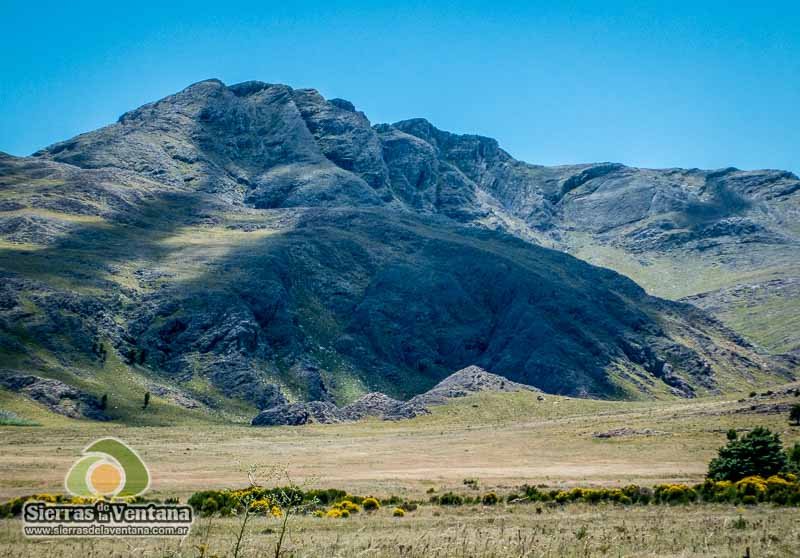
{"points": [[260, 243]]}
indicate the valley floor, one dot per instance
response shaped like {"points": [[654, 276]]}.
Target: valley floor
{"points": [[502, 440]]}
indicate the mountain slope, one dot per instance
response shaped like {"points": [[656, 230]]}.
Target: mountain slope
{"points": [[261, 243], [715, 236]]}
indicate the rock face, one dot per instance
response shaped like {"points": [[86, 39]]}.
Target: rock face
{"points": [[296, 414], [56, 396], [279, 246], [373, 404]]}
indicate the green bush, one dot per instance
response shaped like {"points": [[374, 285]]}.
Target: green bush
{"points": [[328, 496], [489, 499], [391, 500], [450, 499], [371, 504]]}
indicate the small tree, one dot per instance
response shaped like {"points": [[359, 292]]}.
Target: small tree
{"points": [[146, 399], [758, 453], [794, 414], [732, 435], [130, 356], [104, 402]]}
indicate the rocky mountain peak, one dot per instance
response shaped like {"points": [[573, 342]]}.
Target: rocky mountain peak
{"points": [[281, 247]]}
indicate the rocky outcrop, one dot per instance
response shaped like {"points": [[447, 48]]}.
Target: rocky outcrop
{"points": [[56, 396], [626, 431], [468, 381], [374, 404], [296, 414]]}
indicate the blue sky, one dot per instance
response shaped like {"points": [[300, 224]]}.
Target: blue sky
{"points": [[659, 84]]}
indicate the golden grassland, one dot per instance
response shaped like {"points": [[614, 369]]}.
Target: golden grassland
{"points": [[502, 440]]}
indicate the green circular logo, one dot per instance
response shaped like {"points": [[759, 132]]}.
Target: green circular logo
{"points": [[108, 468]]}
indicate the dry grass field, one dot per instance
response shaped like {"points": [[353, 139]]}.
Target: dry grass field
{"points": [[502, 532], [502, 440]]}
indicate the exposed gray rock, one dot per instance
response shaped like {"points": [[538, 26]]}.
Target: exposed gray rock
{"points": [[296, 414], [56, 396], [33, 228], [310, 376], [626, 432], [374, 404], [467, 381]]}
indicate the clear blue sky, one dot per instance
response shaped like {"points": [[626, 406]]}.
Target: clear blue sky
{"points": [[658, 84]]}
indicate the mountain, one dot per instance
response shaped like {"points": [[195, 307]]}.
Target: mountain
{"points": [[259, 243]]}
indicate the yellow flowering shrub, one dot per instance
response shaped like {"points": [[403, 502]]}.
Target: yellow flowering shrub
{"points": [[261, 507], [371, 504], [751, 486]]}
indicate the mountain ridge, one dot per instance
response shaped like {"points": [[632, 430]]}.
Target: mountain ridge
{"points": [[274, 244]]}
